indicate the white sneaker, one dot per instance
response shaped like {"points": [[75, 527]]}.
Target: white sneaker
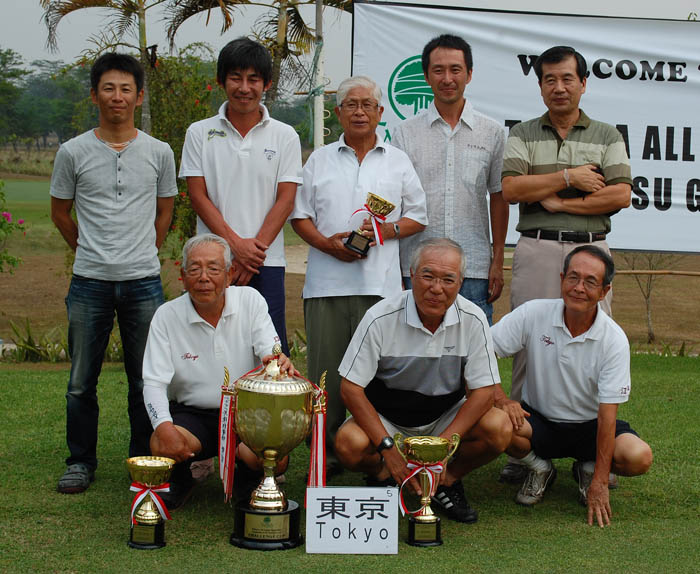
{"points": [[535, 485]]}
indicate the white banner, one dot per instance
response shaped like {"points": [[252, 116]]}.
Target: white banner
{"points": [[644, 79]]}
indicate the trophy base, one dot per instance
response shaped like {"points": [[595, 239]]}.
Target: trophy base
{"points": [[357, 243], [262, 530], [147, 536], [424, 534]]}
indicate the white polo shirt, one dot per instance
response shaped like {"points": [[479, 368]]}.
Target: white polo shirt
{"points": [[242, 173], [185, 356], [334, 185], [566, 377], [410, 375]]}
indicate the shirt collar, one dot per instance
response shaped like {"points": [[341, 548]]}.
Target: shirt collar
{"points": [[467, 116], [378, 144], [583, 120], [222, 114], [595, 331], [413, 319], [230, 307]]}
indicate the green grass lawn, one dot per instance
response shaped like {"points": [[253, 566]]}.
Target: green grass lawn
{"points": [[656, 524]]}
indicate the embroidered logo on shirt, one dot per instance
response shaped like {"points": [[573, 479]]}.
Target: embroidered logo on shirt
{"points": [[270, 153], [450, 348], [546, 340], [190, 356], [625, 390], [212, 132]]}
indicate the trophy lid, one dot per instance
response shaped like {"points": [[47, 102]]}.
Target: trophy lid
{"points": [[272, 381]]}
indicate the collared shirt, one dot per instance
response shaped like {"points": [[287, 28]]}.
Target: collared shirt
{"points": [[411, 375], [242, 173], [186, 355], [458, 169], [567, 377], [534, 147], [335, 185], [115, 196]]}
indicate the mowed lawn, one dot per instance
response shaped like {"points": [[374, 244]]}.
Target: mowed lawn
{"points": [[656, 518]]}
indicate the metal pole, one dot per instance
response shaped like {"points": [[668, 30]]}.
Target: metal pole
{"points": [[319, 97]]}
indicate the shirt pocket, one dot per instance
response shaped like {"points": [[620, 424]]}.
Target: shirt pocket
{"points": [[475, 167], [390, 190]]}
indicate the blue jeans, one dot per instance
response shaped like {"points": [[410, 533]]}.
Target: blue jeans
{"points": [[91, 305], [270, 284], [476, 290]]}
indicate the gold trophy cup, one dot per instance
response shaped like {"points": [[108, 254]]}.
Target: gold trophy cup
{"points": [[148, 473], [358, 241], [273, 415], [423, 452]]}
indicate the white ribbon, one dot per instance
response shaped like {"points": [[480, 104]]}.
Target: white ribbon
{"points": [[416, 468]]}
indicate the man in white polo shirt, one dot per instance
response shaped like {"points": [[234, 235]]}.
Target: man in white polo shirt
{"points": [[409, 365], [578, 373], [341, 284], [191, 340], [242, 169]]}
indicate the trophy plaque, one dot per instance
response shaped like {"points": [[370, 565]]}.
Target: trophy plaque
{"points": [[377, 208], [425, 456], [148, 511], [272, 414]]}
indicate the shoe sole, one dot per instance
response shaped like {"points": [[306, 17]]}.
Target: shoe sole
{"points": [[547, 486]]}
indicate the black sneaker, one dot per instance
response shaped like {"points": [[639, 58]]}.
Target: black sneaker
{"points": [[178, 495], [454, 503]]}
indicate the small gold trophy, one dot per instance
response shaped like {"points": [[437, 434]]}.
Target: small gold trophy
{"points": [[273, 414], [425, 456], [377, 208], [148, 512]]}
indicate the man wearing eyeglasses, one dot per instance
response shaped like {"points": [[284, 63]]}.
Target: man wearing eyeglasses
{"points": [[569, 174], [422, 363], [191, 340], [578, 373], [340, 283]]}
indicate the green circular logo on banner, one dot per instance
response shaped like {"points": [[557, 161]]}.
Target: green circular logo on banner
{"points": [[409, 93]]}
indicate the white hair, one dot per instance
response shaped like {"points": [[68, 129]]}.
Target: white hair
{"points": [[357, 82], [198, 240], [439, 243]]}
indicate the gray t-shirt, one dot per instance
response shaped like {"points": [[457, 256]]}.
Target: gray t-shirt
{"points": [[115, 196]]}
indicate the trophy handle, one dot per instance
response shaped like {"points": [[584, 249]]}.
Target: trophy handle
{"points": [[398, 439], [454, 445]]}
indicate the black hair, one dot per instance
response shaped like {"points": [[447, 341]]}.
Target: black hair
{"points": [[241, 54], [598, 253], [557, 54], [115, 61], [447, 41]]}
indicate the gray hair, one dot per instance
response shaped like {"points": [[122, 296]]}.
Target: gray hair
{"points": [[202, 239], [357, 82], [439, 243]]}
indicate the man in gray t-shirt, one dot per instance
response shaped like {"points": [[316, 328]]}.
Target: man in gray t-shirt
{"points": [[121, 182]]}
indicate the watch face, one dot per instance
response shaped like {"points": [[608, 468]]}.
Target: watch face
{"points": [[387, 442]]}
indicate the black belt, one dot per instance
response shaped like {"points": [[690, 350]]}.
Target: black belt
{"points": [[571, 236]]}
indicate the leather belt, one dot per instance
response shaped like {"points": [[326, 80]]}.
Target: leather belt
{"points": [[570, 236]]}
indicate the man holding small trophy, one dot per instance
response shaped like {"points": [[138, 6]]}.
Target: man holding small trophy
{"points": [[190, 342], [358, 196], [421, 363]]}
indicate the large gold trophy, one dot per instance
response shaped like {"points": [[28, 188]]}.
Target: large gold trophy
{"points": [[148, 512], [272, 414], [377, 208], [425, 456]]}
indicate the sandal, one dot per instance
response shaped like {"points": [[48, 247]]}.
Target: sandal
{"points": [[77, 478]]}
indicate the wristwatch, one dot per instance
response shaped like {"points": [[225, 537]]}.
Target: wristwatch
{"points": [[397, 230], [386, 442]]}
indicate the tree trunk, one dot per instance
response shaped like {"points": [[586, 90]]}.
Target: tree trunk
{"points": [[278, 52], [145, 62], [650, 329]]}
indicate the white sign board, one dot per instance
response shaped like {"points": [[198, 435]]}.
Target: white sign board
{"points": [[357, 520], [644, 79]]}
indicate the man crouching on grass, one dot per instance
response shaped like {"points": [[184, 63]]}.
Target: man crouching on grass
{"points": [[578, 372]]}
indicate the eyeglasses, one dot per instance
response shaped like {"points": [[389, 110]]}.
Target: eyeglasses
{"points": [[212, 271], [353, 105], [572, 279], [446, 282]]}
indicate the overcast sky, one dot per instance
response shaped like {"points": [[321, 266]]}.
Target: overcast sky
{"points": [[22, 29]]}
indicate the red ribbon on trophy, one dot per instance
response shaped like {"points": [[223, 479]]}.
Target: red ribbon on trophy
{"points": [[416, 468], [142, 491], [317, 461], [374, 217]]}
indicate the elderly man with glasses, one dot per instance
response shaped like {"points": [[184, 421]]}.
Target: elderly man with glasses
{"points": [[577, 375], [340, 283], [191, 339]]}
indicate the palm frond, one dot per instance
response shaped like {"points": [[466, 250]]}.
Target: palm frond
{"points": [[55, 10], [181, 10]]}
